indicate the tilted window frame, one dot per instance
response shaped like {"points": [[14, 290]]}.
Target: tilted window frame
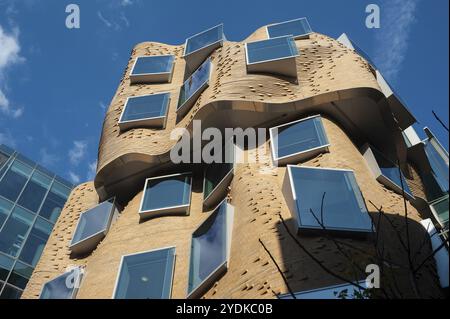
{"points": [[141, 253], [158, 122], [79, 270], [89, 243], [166, 211], [298, 156], [290, 195], [222, 268], [152, 78], [296, 37], [284, 66]]}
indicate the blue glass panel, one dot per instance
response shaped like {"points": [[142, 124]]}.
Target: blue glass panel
{"points": [[153, 64], [10, 292], [272, 49], [300, 137], [296, 28], [54, 202], [5, 208], [204, 39], [167, 192], [14, 180], [208, 247], [343, 206], [34, 191], [6, 265], [146, 275], [34, 246], [14, 232], [93, 221], [20, 275], [145, 107], [439, 166], [440, 206], [196, 82], [62, 287]]}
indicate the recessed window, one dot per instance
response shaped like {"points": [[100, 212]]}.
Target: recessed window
{"points": [[92, 227], [343, 210], [344, 291], [166, 195], [210, 249], [299, 140], [193, 87], [152, 69], [218, 177], [386, 171], [145, 111], [274, 56], [198, 47], [147, 275], [298, 28], [64, 286]]}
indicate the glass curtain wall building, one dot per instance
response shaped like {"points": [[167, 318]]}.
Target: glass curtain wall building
{"points": [[31, 199]]}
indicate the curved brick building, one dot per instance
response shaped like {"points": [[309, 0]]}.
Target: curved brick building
{"points": [[336, 166]]}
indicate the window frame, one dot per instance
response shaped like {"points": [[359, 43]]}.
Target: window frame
{"points": [[80, 272], [155, 77], [88, 244], [303, 292], [122, 258], [288, 189], [222, 268], [296, 37], [150, 122], [298, 156], [166, 211], [207, 46]]}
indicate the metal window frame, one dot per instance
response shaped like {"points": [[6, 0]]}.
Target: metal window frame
{"points": [[74, 290], [296, 37], [152, 77]]}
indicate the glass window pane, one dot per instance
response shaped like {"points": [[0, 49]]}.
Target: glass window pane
{"points": [[3, 159], [195, 82], [296, 28], [272, 49], [54, 202], [153, 64], [14, 232], [204, 39], [441, 208], [299, 137], [215, 173], [167, 192], [439, 167], [343, 206], [36, 241], [6, 265], [146, 275], [145, 107], [5, 208], [20, 275], [62, 287], [345, 291], [14, 180], [93, 221], [35, 191], [208, 247], [10, 293]]}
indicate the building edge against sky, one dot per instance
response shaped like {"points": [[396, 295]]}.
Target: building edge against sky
{"points": [[31, 199], [222, 247]]}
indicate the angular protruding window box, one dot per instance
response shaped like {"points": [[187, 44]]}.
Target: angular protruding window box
{"points": [[344, 210], [152, 69], [273, 56], [344, 291], [386, 171], [439, 208], [146, 275], [193, 87], [145, 111], [200, 46], [218, 176], [166, 195], [298, 141], [398, 108], [93, 226], [298, 28], [64, 286], [210, 250]]}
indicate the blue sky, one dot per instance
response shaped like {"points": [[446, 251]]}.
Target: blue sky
{"points": [[55, 83]]}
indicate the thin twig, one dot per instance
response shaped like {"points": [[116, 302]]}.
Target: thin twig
{"points": [[440, 121]]}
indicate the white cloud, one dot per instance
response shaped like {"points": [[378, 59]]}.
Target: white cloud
{"points": [[92, 169], [125, 3], [9, 55], [74, 178], [8, 139], [48, 159], [102, 105], [397, 19], [77, 152]]}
